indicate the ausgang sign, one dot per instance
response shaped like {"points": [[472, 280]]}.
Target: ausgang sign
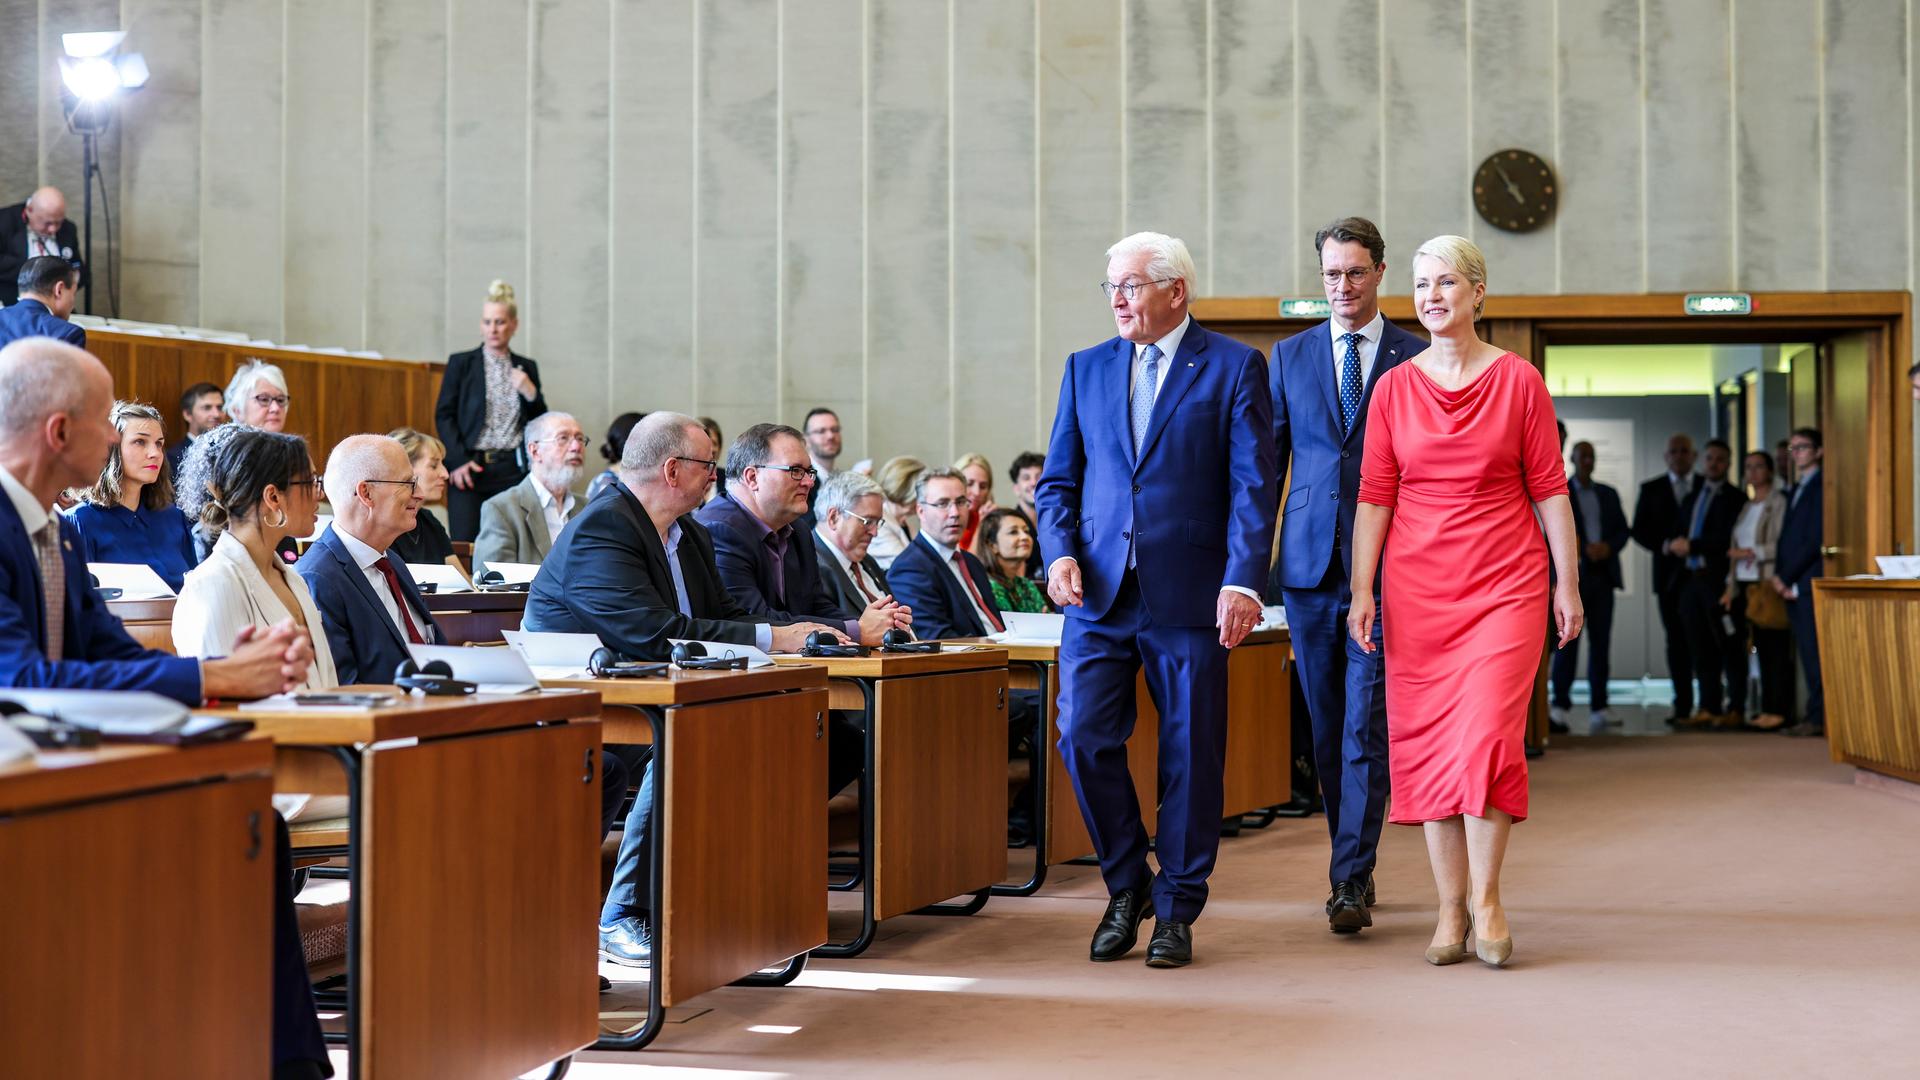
{"points": [[1737, 303]]}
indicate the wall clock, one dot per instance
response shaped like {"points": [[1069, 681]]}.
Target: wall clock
{"points": [[1515, 190]]}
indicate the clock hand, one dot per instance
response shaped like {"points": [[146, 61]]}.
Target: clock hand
{"points": [[1513, 189]]}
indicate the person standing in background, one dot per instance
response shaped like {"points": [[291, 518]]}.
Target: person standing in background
{"points": [[1707, 534], [1600, 527], [34, 229], [1656, 522], [1798, 562], [1750, 601], [487, 397]]}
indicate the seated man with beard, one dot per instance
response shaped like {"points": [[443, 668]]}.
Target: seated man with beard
{"points": [[520, 524]]}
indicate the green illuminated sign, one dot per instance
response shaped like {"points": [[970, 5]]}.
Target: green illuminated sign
{"points": [[1305, 308], [1737, 303]]}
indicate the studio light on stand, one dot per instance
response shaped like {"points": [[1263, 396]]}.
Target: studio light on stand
{"points": [[94, 74]]}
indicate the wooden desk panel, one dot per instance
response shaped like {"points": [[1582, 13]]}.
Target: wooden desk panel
{"points": [[1259, 725], [623, 724], [414, 716], [940, 787], [174, 886], [1870, 668], [746, 820], [481, 875]]}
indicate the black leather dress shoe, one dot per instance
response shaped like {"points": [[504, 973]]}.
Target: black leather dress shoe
{"points": [[1366, 884], [628, 942], [1347, 910], [1171, 945], [1119, 928], [606, 984]]}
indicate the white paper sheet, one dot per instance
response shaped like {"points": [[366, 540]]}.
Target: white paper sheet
{"points": [[496, 671], [444, 578], [515, 573], [112, 712], [1024, 628], [755, 658], [554, 656], [136, 581], [1899, 566]]}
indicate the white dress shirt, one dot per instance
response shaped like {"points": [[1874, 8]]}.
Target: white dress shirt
{"points": [[1369, 346], [364, 557], [968, 587], [38, 245], [227, 593], [860, 578], [556, 512]]}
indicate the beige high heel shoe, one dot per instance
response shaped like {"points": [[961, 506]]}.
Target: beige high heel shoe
{"points": [[1494, 953], [1442, 955]]}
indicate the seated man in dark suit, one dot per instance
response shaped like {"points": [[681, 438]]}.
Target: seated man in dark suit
{"points": [[765, 561], [48, 288], [54, 434], [849, 509], [637, 569], [1706, 521], [35, 228]]}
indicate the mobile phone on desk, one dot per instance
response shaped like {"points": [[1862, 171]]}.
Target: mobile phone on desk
{"points": [[363, 701]]}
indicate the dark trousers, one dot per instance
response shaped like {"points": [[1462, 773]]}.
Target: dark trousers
{"points": [[1774, 650], [296, 1023], [1807, 641], [1596, 596], [1346, 696], [1187, 675], [1708, 640], [633, 868], [463, 507], [1679, 660]]}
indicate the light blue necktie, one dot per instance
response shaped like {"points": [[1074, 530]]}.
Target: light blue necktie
{"points": [[1350, 382], [1697, 562], [1143, 390]]}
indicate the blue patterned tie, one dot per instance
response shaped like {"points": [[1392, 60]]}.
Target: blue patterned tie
{"points": [[1350, 382], [1701, 501], [1143, 390]]}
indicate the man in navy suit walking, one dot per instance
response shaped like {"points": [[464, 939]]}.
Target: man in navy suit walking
{"points": [[1322, 379], [1156, 512]]}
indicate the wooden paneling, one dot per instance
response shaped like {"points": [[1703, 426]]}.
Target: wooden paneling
{"points": [[478, 956], [745, 887], [1259, 726], [174, 887], [939, 789], [1857, 488], [332, 396], [1870, 667]]}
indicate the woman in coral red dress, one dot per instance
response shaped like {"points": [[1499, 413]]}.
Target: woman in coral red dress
{"points": [[1461, 452]]}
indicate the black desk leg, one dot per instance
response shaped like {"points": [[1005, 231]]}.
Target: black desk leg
{"points": [[868, 924], [1037, 784], [656, 902]]}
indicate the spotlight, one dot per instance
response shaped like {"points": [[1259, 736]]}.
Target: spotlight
{"points": [[95, 73]]}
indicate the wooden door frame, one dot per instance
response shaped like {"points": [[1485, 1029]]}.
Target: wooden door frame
{"points": [[1529, 325]]}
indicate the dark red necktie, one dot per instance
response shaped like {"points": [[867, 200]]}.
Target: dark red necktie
{"points": [[998, 626], [399, 599]]}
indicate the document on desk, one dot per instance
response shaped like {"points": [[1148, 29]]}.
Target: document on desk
{"points": [[554, 656], [493, 671], [125, 713], [1025, 628], [443, 578], [515, 573], [755, 658], [136, 581], [1897, 566]]}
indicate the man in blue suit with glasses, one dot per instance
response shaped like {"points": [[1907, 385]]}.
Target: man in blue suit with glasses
{"points": [[1322, 379], [1156, 514]]}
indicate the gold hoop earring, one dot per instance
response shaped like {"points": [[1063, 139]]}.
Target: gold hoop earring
{"points": [[274, 524]]}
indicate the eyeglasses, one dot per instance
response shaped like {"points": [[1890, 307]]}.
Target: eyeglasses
{"points": [[318, 484], [944, 504], [1798, 446], [712, 466], [1354, 275], [412, 486], [866, 523], [269, 401], [1131, 288], [569, 440], [800, 473]]}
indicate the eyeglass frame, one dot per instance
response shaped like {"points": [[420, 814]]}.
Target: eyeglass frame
{"points": [[268, 401], [412, 484], [871, 524], [1332, 277], [945, 504], [713, 467], [1130, 288], [800, 473]]}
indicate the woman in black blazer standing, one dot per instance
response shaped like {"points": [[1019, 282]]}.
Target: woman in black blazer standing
{"points": [[486, 398]]}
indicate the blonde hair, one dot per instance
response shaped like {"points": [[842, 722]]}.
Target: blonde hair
{"points": [[107, 489], [418, 443], [1463, 255], [499, 292], [966, 461], [896, 479]]}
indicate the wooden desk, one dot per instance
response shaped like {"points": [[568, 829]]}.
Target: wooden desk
{"points": [[933, 797], [1870, 668], [739, 824], [136, 912], [474, 825], [1259, 746], [464, 617]]}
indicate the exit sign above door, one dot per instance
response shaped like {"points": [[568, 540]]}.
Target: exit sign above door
{"points": [[1737, 303]]}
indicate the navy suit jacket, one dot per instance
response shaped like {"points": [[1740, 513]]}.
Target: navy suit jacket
{"points": [[1613, 531], [96, 653], [1716, 532], [1194, 507], [30, 318], [366, 644], [1326, 461], [1656, 520], [746, 568], [13, 248], [1797, 559], [941, 606], [608, 575]]}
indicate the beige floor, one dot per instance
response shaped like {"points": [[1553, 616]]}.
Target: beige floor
{"points": [[1700, 905]]}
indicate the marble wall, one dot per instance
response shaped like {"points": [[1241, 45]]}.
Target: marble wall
{"points": [[743, 208]]}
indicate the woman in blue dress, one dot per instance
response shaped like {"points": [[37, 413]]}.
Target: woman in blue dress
{"points": [[129, 516]]}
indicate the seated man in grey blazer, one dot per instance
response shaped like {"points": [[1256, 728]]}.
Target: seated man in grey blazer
{"points": [[848, 512], [520, 524]]}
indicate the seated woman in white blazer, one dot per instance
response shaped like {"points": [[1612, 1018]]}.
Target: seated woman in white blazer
{"points": [[247, 490]]}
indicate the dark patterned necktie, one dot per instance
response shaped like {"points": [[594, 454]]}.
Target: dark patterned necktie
{"points": [[1350, 382]]}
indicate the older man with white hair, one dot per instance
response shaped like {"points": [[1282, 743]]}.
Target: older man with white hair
{"points": [[36, 228], [520, 524], [848, 513]]}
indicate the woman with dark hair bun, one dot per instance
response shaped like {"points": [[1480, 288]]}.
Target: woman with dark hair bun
{"points": [[250, 490], [611, 449]]}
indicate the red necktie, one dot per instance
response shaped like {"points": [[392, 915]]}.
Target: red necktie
{"points": [[860, 581], [400, 599], [998, 626]]}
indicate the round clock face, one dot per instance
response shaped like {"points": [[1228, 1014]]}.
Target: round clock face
{"points": [[1515, 190]]}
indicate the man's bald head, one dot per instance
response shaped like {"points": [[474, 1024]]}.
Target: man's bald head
{"points": [[368, 478], [46, 210], [55, 401]]}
